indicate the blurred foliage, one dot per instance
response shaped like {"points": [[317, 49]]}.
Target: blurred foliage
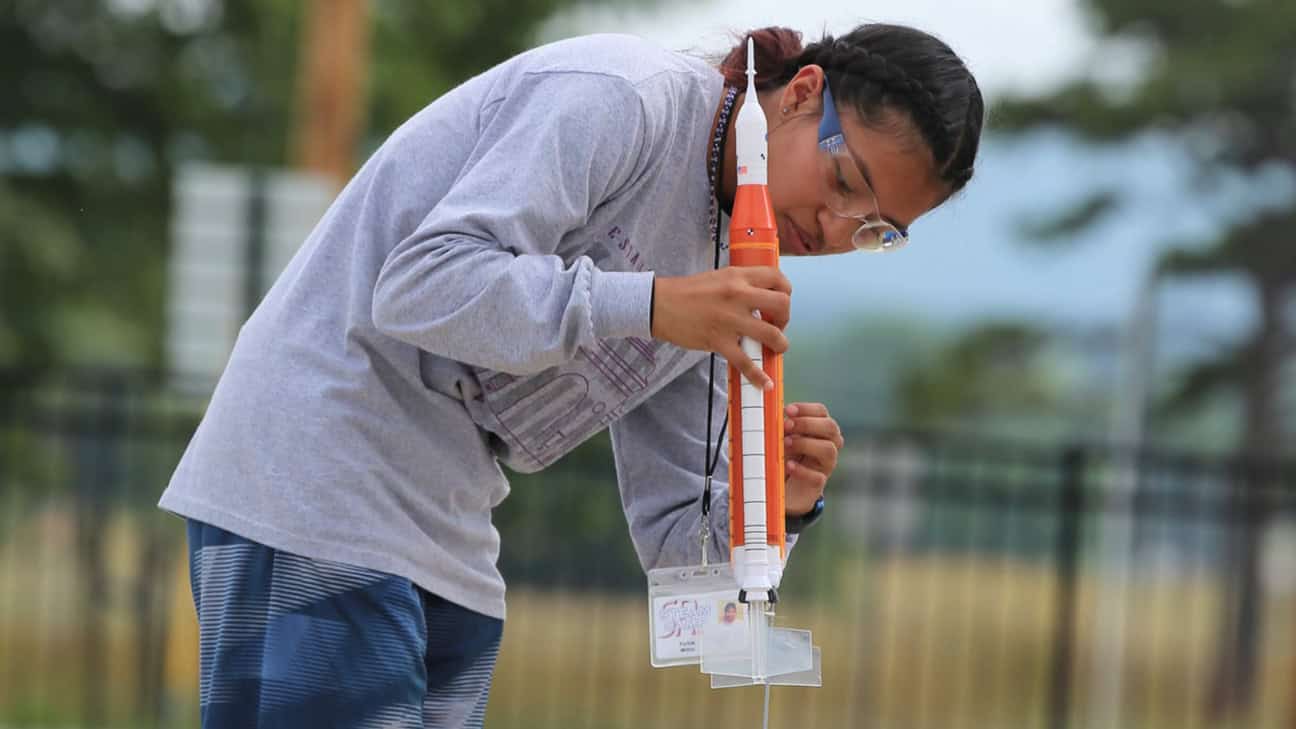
{"points": [[35, 246], [870, 349], [1260, 249], [1060, 227], [1219, 71], [994, 373], [1219, 77], [421, 50], [106, 97], [1005, 377]]}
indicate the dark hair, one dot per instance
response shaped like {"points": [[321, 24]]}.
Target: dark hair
{"points": [[878, 68]]}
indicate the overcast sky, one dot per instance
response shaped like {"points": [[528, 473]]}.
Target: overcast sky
{"points": [[1018, 44], [968, 261]]}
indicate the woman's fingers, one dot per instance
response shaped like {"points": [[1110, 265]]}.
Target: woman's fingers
{"points": [[813, 420], [814, 453]]}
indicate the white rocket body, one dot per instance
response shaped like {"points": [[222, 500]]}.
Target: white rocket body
{"points": [[758, 565], [763, 654]]}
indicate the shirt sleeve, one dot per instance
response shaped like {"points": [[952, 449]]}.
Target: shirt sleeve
{"points": [[659, 449], [480, 280]]}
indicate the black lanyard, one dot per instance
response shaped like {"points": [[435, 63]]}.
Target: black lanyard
{"points": [[716, 159]]}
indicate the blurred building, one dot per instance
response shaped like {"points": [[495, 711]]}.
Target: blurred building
{"points": [[234, 230]]}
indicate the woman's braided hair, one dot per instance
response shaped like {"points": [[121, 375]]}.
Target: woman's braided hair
{"points": [[878, 69]]}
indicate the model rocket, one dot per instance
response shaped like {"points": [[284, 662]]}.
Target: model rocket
{"points": [[763, 653], [756, 531]]}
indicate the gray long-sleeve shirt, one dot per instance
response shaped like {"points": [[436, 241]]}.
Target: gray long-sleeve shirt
{"points": [[479, 293]]}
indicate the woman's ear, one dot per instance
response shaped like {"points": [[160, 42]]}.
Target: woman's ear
{"points": [[803, 94]]}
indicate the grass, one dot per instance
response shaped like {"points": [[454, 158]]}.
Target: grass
{"points": [[908, 642], [934, 642]]}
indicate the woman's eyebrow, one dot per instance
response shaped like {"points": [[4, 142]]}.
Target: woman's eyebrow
{"points": [[868, 180]]}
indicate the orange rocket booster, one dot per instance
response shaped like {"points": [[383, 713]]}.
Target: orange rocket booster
{"points": [[756, 527], [753, 241]]}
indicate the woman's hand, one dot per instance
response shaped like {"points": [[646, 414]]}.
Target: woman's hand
{"points": [[711, 310], [812, 440]]}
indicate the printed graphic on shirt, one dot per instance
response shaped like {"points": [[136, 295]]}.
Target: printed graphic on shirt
{"points": [[542, 417], [633, 259]]}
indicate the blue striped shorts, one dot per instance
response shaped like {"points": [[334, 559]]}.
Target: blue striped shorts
{"points": [[287, 642]]}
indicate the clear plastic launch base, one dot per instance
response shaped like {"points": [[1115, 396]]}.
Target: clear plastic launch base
{"points": [[750, 651]]}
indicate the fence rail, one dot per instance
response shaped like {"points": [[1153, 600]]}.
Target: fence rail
{"points": [[954, 582]]}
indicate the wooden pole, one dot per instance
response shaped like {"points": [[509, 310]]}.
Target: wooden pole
{"points": [[331, 76]]}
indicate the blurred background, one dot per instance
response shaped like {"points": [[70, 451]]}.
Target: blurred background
{"points": [[1068, 493]]}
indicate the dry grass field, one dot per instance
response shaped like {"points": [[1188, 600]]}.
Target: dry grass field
{"points": [[907, 643], [932, 643]]}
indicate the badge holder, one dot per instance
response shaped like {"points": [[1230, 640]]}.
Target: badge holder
{"points": [[696, 618], [682, 602]]}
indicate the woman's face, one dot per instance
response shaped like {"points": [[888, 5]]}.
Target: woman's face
{"points": [[897, 166]]}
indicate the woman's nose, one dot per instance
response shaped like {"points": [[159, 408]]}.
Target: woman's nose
{"points": [[837, 231]]}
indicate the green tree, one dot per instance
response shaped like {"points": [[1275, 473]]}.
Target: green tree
{"points": [[35, 246], [994, 375], [105, 99], [853, 365], [1219, 77]]}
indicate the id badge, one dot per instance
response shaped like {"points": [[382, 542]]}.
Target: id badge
{"points": [[683, 603]]}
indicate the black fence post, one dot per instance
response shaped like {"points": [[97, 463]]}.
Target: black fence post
{"points": [[1233, 687], [1070, 512], [255, 246], [94, 431]]}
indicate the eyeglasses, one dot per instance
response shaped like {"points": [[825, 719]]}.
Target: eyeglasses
{"points": [[848, 192]]}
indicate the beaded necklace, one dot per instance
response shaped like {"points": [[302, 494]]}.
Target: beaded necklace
{"points": [[714, 160], [717, 154]]}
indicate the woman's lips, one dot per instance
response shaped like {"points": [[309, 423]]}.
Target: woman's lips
{"points": [[802, 246]]}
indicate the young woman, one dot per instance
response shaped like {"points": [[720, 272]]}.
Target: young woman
{"points": [[527, 261]]}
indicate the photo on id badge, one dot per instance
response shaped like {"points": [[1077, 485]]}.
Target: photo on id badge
{"points": [[728, 630]]}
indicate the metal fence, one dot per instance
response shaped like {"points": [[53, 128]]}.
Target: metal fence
{"points": [[954, 582]]}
